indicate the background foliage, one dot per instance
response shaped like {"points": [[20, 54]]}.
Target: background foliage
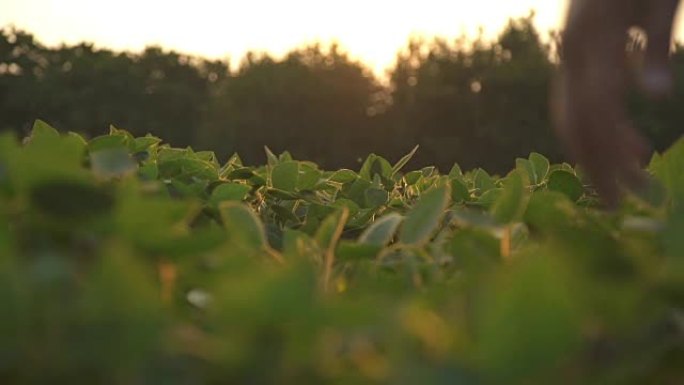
{"points": [[478, 103]]}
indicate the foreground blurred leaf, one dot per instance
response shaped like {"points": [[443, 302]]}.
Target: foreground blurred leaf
{"points": [[526, 330]]}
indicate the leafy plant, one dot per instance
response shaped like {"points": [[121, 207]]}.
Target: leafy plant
{"points": [[124, 260]]}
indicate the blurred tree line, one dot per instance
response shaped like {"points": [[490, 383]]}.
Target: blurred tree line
{"points": [[477, 103]]}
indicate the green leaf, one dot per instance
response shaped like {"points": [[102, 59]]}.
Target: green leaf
{"points": [[308, 177], [112, 162], [107, 142], [356, 191], [42, 129], [548, 210], [375, 165], [482, 181], [424, 218], [566, 183], [540, 166], [285, 176], [352, 251], [284, 214], [243, 226], [510, 204], [375, 197], [411, 178], [524, 165], [271, 158], [241, 173], [148, 171], [669, 169], [343, 176], [488, 199], [281, 194], [456, 172], [145, 142], [405, 159], [229, 192], [381, 231], [331, 228], [459, 190]]}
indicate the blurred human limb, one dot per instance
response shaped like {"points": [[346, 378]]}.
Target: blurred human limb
{"points": [[589, 110]]}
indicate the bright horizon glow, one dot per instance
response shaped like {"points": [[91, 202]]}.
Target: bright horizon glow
{"points": [[371, 31]]}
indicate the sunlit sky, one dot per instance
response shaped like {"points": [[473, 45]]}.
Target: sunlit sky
{"points": [[370, 30]]}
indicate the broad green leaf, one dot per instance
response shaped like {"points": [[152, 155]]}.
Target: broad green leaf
{"points": [[456, 172], [459, 190], [525, 165], [107, 142], [241, 173], [285, 156], [510, 204], [540, 165], [42, 129], [343, 176], [375, 165], [48, 158], [382, 230], [413, 177], [549, 210], [488, 199], [424, 218], [284, 214], [112, 162], [285, 176], [405, 159], [482, 181], [566, 183], [375, 197], [282, 194], [348, 203], [145, 142], [229, 192], [308, 177], [148, 171], [187, 168], [356, 191], [243, 227], [207, 156]]}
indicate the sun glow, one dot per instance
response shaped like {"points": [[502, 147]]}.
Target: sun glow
{"points": [[371, 31]]}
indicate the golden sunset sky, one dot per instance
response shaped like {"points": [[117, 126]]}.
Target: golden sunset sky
{"points": [[370, 30]]}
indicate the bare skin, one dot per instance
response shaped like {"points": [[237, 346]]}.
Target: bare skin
{"points": [[589, 110]]}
